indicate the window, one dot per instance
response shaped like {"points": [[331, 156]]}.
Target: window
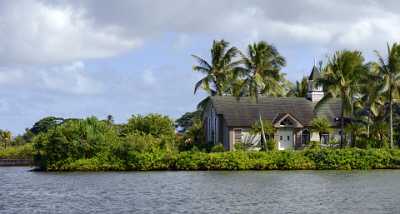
{"points": [[238, 135], [288, 137], [280, 137], [324, 138], [305, 137]]}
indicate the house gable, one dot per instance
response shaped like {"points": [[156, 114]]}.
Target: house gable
{"points": [[286, 120]]}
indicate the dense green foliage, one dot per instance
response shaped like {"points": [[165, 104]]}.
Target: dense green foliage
{"points": [[187, 120], [153, 124], [17, 152], [274, 160], [92, 138]]}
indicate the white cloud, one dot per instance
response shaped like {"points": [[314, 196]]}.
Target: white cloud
{"points": [[32, 32], [64, 31], [70, 79]]}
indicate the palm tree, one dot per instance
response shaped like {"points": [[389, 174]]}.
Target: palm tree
{"points": [[322, 126], [5, 137], [300, 89], [266, 129], [390, 70], [340, 79], [218, 71], [371, 101], [261, 70]]}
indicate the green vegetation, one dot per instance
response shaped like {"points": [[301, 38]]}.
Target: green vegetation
{"points": [[148, 143], [276, 160], [370, 121], [17, 152], [369, 91]]}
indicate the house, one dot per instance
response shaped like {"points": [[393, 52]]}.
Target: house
{"points": [[227, 119]]}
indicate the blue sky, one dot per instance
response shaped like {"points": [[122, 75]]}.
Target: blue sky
{"points": [[84, 58]]}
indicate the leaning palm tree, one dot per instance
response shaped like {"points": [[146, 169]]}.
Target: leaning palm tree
{"points": [[218, 71], [340, 79], [261, 70], [390, 70]]}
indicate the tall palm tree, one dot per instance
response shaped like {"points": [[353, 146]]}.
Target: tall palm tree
{"points": [[371, 102], [261, 70], [390, 70], [340, 79], [218, 71]]}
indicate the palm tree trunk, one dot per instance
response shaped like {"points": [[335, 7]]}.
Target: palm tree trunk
{"points": [[391, 120], [342, 127], [263, 134], [368, 124]]}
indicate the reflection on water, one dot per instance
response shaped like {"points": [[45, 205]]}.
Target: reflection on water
{"points": [[22, 191]]}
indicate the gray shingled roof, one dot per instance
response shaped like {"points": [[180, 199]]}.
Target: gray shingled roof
{"points": [[245, 111]]}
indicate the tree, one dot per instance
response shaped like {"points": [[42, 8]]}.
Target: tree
{"points": [[5, 137], [194, 136], [371, 102], [322, 126], [340, 78], [187, 120], [110, 119], [389, 68], [44, 124], [218, 71], [154, 124], [266, 129], [300, 89], [261, 71]]}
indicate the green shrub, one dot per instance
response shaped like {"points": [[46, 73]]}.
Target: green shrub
{"points": [[218, 148], [240, 147], [17, 152], [240, 160], [314, 145], [272, 144], [153, 124], [73, 140]]}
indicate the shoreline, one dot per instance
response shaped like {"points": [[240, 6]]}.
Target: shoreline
{"points": [[4, 162]]}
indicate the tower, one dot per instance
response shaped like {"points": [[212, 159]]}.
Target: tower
{"points": [[315, 92]]}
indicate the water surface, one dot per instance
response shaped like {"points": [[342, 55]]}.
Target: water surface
{"points": [[22, 191]]}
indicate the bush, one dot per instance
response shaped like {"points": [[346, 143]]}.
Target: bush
{"points": [[315, 145], [73, 140], [17, 152], [240, 147], [272, 144], [239, 160], [153, 124], [218, 148]]}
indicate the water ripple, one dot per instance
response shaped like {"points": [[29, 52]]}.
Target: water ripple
{"points": [[341, 192]]}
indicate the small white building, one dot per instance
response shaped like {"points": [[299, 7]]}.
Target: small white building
{"points": [[227, 120]]}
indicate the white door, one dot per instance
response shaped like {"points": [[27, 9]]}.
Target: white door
{"points": [[285, 139]]}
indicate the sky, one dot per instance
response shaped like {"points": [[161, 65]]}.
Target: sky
{"points": [[100, 57]]}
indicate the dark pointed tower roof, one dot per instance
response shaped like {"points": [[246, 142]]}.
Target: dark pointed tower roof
{"points": [[314, 73]]}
